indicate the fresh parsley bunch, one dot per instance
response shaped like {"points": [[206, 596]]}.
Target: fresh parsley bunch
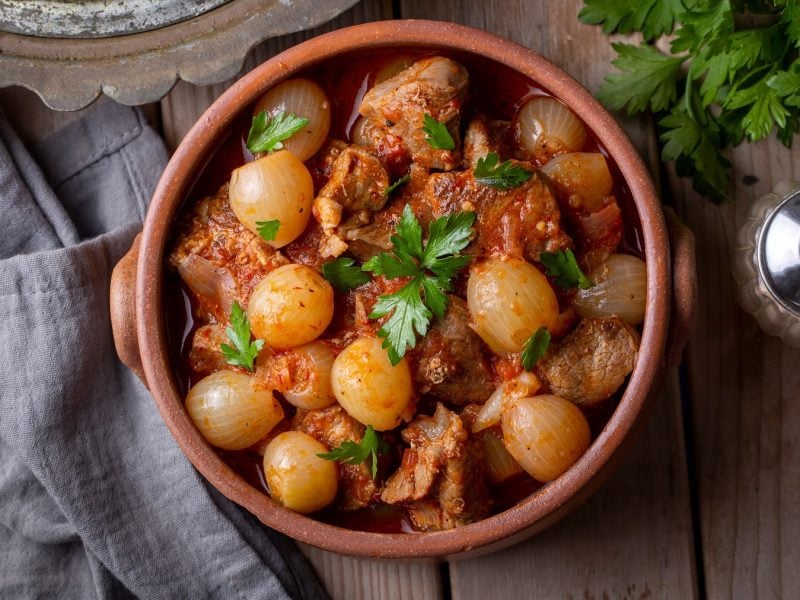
{"points": [[720, 84]]}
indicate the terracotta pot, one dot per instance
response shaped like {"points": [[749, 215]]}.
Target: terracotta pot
{"points": [[137, 297]]}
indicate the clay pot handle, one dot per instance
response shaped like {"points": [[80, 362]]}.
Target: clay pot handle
{"points": [[123, 310], [684, 287]]}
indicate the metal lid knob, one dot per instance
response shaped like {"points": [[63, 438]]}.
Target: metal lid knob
{"points": [[779, 253]]}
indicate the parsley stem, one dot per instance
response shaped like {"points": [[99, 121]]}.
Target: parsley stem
{"points": [[687, 101]]}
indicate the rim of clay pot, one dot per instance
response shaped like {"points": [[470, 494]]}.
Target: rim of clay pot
{"points": [[541, 507]]}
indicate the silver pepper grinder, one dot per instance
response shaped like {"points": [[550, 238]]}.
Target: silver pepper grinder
{"points": [[766, 262]]}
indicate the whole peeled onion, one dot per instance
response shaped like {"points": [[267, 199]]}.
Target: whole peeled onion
{"points": [[277, 187], [545, 434], [509, 300], [231, 410]]}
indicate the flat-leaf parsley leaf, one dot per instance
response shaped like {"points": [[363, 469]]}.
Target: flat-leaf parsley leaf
{"points": [[343, 274], [564, 268], [438, 135], [504, 176], [353, 453], [535, 348], [648, 79], [430, 266], [243, 352], [652, 17], [268, 132], [268, 229]]}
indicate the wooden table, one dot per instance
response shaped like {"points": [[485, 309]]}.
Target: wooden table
{"points": [[707, 503]]}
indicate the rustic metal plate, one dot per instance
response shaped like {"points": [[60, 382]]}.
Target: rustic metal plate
{"points": [[96, 18], [68, 73]]}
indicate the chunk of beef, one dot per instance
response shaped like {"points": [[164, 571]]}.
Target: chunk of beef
{"points": [[396, 108], [365, 242], [441, 477], [321, 164], [332, 426], [592, 362], [205, 356], [451, 360], [279, 370], [355, 189], [522, 221], [376, 137], [433, 441], [463, 495], [484, 136], [218, 257], [276, 370]]}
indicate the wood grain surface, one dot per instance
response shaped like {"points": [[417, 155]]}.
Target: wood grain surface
{"points": [[707, 502], [744, 391]]}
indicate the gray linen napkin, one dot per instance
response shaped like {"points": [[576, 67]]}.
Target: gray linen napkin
{"points": [[96, 499]]}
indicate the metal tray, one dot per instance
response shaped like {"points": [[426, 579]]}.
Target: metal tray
{"points": [[69, 52]]}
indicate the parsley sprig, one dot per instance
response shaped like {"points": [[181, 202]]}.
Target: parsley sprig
{"points": [[267, 133], [343, 274], [431, 266], [437, 134], [720, 83], [564, 267], [243, 352], [355, 453], [535, 348], [504, 176]]}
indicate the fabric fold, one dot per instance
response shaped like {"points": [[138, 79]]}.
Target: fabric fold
{"points": [[96, 498]]}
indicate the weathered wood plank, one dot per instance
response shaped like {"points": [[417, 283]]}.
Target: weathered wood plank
{"points": [[345, 578], [349, 578], [745, 393], [634, 537]]}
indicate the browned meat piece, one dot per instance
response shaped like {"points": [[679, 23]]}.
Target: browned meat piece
{"points": [[500, 465], [451, 362], [380, 142], [356, 188], [441, 477], [591, 363], [205, 357], [522, 222], [463, 495], [232, 259], [427, 515], [321, 164], [357, 183], [433, 440], [277, 370], [332, 426], [396, 108], [484, 136], [365, 242]]}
